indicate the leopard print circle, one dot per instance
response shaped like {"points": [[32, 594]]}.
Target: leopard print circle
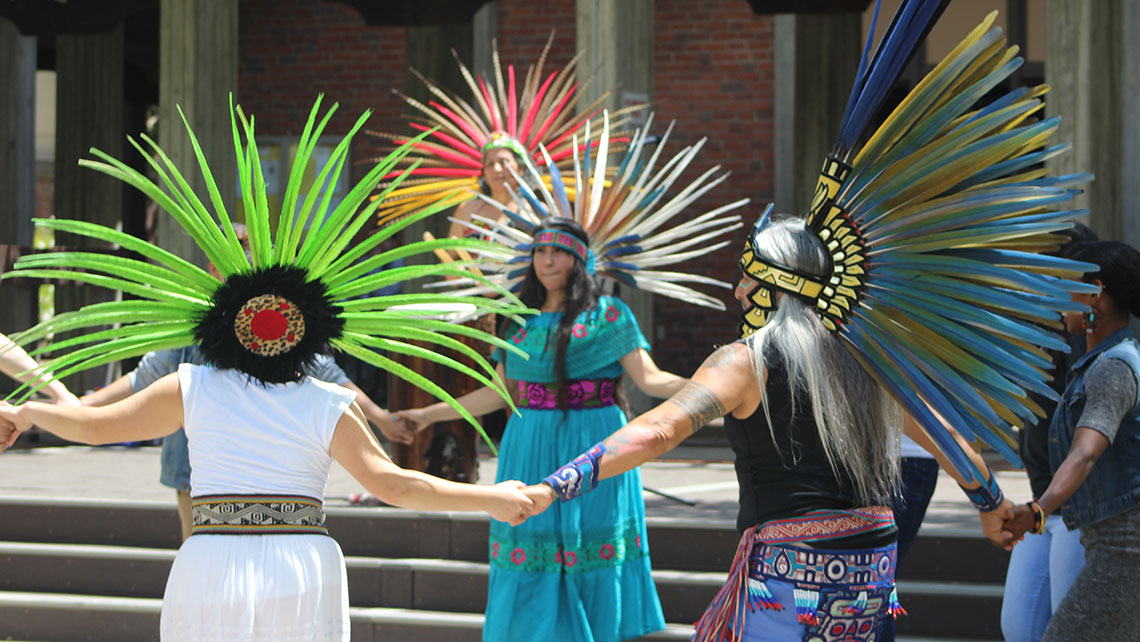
{"points": [[269, 325]]}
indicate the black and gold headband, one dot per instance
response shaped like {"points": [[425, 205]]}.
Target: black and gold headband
{"points": [[832, 295]]}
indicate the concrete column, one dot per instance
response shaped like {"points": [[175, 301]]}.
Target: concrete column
{"points": [[17, 171], [448, 449], [17, 140], [89, 113], [198, 70], [485, 30], [428, 50], [1092, 62], [617, 36], [816, 58]]}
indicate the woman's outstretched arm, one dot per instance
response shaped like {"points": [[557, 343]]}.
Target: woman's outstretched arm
{"points": [[650, 379], [478, 402], [725, 383], [154, 412], [356, 448]]}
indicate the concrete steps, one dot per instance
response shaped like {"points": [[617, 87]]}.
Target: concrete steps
{"points": [[96, 570]]}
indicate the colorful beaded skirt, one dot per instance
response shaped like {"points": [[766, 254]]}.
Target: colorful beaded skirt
{"points": [[839, 594]]}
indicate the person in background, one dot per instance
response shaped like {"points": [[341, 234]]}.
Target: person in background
{"points": [[175, 452], [599, 586], [175, 455], [1094, 453], [1044, 565]]}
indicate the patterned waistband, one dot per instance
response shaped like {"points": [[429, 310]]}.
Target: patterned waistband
{"points": [[257, 515], [822, 525], [578, 394]]}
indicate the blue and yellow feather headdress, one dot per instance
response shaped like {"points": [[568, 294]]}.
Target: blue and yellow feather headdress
{"points": [[935, 223]]}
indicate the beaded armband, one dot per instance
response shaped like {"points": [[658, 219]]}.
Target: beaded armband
{"points": [[577, 477], [987, 497]]}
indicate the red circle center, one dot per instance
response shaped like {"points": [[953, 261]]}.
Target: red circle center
{"points": [[269, 324]]}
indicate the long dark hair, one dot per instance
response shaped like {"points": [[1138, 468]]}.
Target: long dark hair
{"points": [[1119, 272], [581, 295]]}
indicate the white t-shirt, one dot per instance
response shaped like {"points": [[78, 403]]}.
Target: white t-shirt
{"points": [[247, 438]]}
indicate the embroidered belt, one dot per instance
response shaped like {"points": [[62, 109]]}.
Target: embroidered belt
{"points": [[257, 515], [578, 394], [764, 554]]}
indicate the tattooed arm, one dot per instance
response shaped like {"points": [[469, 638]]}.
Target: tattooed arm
{"points": [[725, 383]]}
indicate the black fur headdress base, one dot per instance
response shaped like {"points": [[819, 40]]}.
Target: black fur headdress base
{"points": [[219, 343]]}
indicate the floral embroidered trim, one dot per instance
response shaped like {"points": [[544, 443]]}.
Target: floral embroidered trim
{"points": [[535, 556], [580, 394]]}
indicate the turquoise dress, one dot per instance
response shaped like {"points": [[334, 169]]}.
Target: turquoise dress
{"points": [[579, 571]]}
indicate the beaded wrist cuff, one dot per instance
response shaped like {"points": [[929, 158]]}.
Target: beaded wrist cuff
{"points": [[988, 496], [577, 477]]}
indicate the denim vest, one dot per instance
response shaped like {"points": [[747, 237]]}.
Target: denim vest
{"points": [[1113, 485]]}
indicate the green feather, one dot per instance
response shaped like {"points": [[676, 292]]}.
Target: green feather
{"points": [[418, 380]]}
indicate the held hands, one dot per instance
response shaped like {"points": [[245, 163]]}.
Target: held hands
{"points": [[994, 525], [509, 504], [542, 495], [398, 432], [12, 423], [515, 501], [1022, 521], [413, 420]]}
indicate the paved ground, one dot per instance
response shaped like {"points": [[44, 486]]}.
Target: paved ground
{"points": [[693, 474]]}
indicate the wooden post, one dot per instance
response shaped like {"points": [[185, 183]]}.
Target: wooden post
{"points": [[1092, 63], [618, 38], [17, 141], [447, 449], [198, 55], [816, 57], [89, 113]]}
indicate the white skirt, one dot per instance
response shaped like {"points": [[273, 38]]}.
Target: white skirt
{"points": [[257, 588]]}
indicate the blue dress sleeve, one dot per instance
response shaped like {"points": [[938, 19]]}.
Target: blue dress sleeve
{"points": [[602, 336]]}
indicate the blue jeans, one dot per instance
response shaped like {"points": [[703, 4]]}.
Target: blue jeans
{"points": [[1041, 570], [175, 461], [919, 477]]}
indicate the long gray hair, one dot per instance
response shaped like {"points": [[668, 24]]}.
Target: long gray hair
{"points": [[857, 420]]}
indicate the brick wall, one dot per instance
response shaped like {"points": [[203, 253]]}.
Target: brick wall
{"points": [[292, 50], [713, 75], [525, 25]]}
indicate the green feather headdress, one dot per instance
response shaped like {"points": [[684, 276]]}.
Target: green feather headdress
{"points": [[308, 264]]}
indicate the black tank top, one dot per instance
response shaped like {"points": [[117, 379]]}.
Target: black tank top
{"points": [[790, 475]]}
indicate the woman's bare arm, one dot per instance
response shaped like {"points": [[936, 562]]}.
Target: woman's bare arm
{"points": [[357, 449], [154, 412], [653, 381]]}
